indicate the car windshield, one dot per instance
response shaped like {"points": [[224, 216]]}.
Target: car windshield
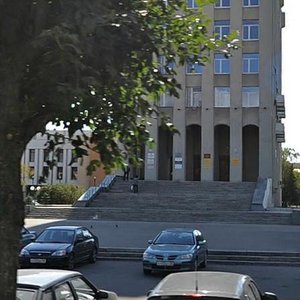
{"points": [[26, 294], [56, 236], [177, 238]]}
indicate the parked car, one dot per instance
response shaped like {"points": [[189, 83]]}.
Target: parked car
{"points": [[51, 284], [26, 237], [208, 286], [60, 246], [176, 249]]}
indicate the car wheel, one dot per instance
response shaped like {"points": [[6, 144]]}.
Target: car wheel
{"points": [[93, 256], [147, 271], [204, 262], [71, 262]]}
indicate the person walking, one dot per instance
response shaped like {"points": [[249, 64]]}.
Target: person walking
{"points": [[126, 170]]}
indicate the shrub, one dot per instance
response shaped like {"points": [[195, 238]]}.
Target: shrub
{"points": [[59, 194]]}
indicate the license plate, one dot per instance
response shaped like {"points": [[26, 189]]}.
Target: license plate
{"points": [[38, 260], [165, 263]]}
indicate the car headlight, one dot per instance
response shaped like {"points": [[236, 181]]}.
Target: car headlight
{"points": [[147, 255], [185, 256], [24, 252], [59, 253]]}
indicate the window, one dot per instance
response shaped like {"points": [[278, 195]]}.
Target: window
{"points": [[166, 100], [222, 3], [222, 97], [31, 155], [192, 4], [250, 3], [82, 289], [222, 28], [74, 172], [251, 63], [250, 96], [222, 64], [60, 155], [193, 68], [166, 66], [193, 97], [59, 174], [63, 292], [45, 171], [46, 155], [250, 30]]}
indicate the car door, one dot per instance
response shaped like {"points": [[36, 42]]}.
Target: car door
{"points": [[79, 246], [89, 242]]}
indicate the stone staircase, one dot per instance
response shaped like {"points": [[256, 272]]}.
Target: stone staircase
{"points": [[169, 201]]}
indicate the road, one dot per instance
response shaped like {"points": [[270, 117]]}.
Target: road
{"points": [[128, 281]]}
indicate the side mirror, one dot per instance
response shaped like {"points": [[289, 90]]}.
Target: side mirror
{"points": [[150, 242], [79, 239], [201, 242], [102, 294], [269, 296]]}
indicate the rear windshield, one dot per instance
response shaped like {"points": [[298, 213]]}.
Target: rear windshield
{"points": [[26, 294]]}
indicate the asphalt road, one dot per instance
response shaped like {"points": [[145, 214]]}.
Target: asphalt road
{"points": [[220, 236], [126, 278]]}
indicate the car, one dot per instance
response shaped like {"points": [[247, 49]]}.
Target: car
{"points": [[176, 249], [51, 284], [26, 237], [60, 246], [207, 285]]}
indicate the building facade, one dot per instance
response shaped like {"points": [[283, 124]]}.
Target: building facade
{"points": [[36, 170], [229, 112]]}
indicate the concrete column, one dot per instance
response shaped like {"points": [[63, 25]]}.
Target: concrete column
{"points": [[180, 124], [236, 111], [151, 154]]}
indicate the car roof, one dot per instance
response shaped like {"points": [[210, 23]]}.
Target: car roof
{"points": [[65, 227], [43, 278], [214, 284], [179, 229]]}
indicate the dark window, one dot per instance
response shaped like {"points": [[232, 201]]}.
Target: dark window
{"points": [[60, 155], [74, 172], [59, 174], [31, 155]]}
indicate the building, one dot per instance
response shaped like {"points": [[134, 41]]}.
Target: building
{"points": [[36, 171], [229, 112]]}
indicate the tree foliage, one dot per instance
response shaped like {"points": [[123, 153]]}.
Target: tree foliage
{"points": [[86, 63], [290, 178]]}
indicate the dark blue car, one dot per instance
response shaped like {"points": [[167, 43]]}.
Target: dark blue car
{"points": [[60, 246], [176, 249]]}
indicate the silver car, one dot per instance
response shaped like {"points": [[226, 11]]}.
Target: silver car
{"points": [[208, 286], [176, 249], [50, 284]]}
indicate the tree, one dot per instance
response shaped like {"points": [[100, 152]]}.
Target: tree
{"points": [[290, 195], [86, 63]]}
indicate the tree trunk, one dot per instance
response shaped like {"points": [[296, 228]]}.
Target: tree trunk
{"points": [[11, 212]]}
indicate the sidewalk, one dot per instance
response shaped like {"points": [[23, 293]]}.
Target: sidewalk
{"points": [[220, 236]]}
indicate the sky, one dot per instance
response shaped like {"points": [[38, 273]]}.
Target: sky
{"points": [[290, 69]]}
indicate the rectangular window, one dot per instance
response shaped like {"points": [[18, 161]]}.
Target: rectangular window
{"points": [[60, 155], [74, 172], [250, 96], [193, 68], [250, 30], [165, 66], [222, 97], [250, 63], [222, 64], [166, 100], [46, 155], [222, 3], [192, 4], [247, 3], [59, 173], [193, 97], [31, 155], [221, 29], [45, 172]]}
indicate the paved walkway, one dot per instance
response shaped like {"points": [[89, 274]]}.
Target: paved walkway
{"points": [[220, 236]]}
